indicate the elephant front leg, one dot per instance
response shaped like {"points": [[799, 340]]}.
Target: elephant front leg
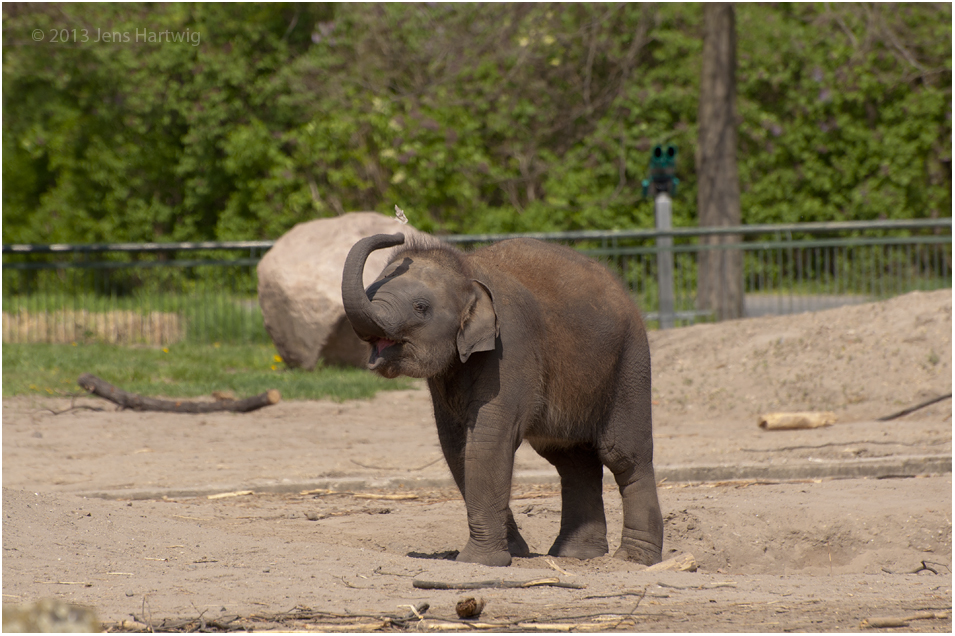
{"points": [[453, 441], [488, 465]]}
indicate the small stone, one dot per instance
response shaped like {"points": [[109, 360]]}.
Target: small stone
{"points": [[470, 607]]}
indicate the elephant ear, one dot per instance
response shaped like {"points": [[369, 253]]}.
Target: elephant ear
{"points": [[479, 328]]}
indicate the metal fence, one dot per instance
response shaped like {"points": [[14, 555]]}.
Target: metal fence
{"points": [[206, 292]]}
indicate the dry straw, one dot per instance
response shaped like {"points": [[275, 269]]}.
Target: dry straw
{"points": [[112, 327]]}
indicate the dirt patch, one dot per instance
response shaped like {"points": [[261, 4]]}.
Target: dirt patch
{"points": [[112, 510], [861, 361]]}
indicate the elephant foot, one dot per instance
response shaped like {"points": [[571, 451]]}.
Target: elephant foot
{"points": [[579, 549], [646, 554], [493, 558], [515, 542], [517, 547]]}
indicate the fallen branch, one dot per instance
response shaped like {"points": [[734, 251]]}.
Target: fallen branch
{"points": [[902, 621], [912, 409], [496, 584], [103, 389], [404, 497], [711, 586]]}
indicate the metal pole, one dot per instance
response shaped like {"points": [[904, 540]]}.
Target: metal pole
{"points": [[663, 211]]}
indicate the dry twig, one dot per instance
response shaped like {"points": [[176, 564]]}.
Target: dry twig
{"points": [[639, 600], [912, 409], [923, 566], [227, 495], [373, 467], [551, 563], [73, 406]]}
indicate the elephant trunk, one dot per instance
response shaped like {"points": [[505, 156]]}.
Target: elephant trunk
{"points": [[358, 308]]}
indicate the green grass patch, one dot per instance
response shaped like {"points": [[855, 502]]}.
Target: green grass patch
{"points": [[180, 371]]}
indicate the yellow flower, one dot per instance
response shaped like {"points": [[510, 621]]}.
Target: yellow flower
{"points": [[74, 343], [277, 357], [274, 367], [165, 349]]}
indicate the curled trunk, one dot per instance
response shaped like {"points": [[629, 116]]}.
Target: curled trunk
{"points": [[358, 308]]}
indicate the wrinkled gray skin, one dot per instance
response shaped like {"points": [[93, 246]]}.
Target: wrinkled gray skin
{"points": [[522, 340]]}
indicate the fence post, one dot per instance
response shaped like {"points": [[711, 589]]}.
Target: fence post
{"points": [[663, 211]]}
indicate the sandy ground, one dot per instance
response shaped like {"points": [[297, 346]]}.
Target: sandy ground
{"points": [[810, 530]]}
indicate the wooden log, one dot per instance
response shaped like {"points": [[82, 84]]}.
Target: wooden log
{"points": [[495, 584], [98, 386], [685, 562], [789, 421], [903, 621]]}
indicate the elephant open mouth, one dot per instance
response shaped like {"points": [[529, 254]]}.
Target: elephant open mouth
{"points": [[381, 344], [380, 354]]}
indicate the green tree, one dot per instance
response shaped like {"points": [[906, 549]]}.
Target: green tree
{"points": [[846, 111], [471, 117]]}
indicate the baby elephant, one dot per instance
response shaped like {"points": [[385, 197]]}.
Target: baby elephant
{"points": [[521, 340]]}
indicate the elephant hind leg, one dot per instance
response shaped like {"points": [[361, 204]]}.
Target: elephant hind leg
{"points": [[583, 526], [627, 450], [642, 538]]}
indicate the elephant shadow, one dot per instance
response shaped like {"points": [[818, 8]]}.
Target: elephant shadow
{"points": [[444, 555], [450, 555]]}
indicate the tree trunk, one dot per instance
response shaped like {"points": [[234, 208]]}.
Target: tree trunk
{"points": [[720, 277]]}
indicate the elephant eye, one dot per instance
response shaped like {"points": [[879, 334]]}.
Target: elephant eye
{"points": [[421, 306]]}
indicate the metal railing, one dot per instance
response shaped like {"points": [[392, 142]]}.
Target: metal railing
{"points": [[161, 293]]}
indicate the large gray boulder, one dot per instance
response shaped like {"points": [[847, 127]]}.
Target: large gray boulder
{"points": [[300, 287]]}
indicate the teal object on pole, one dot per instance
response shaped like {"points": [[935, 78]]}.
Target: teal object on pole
{"points": [[662, 171]]}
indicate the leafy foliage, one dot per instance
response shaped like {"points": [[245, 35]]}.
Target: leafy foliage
{"points": [[846, 112], [472, 117]]}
